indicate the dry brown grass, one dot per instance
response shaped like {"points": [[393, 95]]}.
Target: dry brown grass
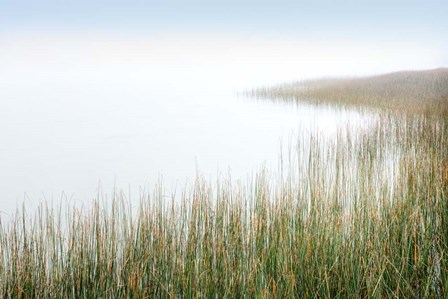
{"points": [[445, 172]]}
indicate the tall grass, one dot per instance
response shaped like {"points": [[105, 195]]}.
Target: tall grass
{"points": [[364, 215]]}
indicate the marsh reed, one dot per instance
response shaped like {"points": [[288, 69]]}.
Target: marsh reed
{"points": [[363, 215], [406, 92]]}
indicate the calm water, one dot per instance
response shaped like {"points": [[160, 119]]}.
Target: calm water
{"points": [[77, 130]]}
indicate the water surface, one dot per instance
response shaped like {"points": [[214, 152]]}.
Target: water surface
{"points": [[80, 129]]}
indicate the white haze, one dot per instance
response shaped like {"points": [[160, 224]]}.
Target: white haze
{"points": [[77, 109]]}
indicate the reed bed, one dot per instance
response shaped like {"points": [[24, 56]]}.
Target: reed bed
{"points": [[407, 92], [362, 215]]}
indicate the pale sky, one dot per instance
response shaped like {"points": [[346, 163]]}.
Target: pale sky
{"points": [[248, 42], [378, 19]]}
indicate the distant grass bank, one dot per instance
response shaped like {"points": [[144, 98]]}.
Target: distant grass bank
{"points": [[365, 216], [407, 91]]}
